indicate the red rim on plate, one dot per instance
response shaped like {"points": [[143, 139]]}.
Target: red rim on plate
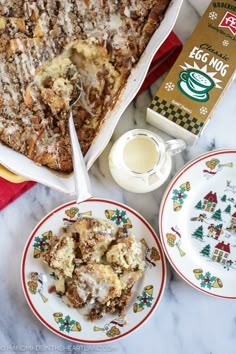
{"points": [[37, 305], [195, 224]]}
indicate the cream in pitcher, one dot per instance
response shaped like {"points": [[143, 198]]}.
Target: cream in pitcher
{"points": [[207, 64], [140, 161]]}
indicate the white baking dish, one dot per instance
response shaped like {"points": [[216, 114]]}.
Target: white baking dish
{"points": [[21, 165]]}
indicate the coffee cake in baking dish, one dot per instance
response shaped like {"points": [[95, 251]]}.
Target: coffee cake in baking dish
{"points": [[44, 46]]}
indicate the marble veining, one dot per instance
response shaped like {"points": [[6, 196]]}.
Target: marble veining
{"points": [[186, 320]]}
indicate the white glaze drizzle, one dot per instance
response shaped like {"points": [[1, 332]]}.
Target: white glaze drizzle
{"points": [[5, 78], [25, 63]]}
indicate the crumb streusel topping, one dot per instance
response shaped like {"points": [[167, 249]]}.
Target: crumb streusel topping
{"points": [[97, 266], [102, 39]]}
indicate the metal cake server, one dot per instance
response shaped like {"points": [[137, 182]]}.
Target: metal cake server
{"points": [[83, 187]]}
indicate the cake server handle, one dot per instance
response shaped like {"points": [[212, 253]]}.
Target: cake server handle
{"points": [[81, 177]]}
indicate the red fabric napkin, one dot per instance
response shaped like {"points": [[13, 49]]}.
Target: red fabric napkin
{"points": [[10, 191], [162, 61]]}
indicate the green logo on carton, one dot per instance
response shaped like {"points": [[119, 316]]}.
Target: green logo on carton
{"points": [[195, 84]]}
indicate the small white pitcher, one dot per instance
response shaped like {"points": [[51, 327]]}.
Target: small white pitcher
{"points": [[140, 161]]}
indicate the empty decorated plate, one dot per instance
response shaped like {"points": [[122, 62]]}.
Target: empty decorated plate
{"points": [[38, 279], [198, 223]]}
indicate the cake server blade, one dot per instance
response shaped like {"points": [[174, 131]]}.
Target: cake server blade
{"points": [[83, 187]]}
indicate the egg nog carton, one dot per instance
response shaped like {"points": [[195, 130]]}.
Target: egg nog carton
{"points": [[203, 71]]}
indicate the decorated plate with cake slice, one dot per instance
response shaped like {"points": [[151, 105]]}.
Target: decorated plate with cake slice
{"points": [[198, 223], [93, 272]]}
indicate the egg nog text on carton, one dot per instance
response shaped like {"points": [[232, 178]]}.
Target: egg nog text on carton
{"points": [[206, 66]]}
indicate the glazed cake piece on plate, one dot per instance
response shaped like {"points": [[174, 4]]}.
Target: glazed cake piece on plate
{"points": [[126, 254], [96, 265], [93, 283], [84, 241]]}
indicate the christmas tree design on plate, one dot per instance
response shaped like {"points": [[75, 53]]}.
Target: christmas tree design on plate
{"points": [[198, 205], [217, 229], [198, 233], [224, 198], [206, 250], [228, 209], [217, 215]]}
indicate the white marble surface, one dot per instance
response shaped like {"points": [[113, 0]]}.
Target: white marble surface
{"points": [[186, 320]]}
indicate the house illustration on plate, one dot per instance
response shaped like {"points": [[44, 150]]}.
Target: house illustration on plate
{"points": [[210, 202], [221, 252], [232, 226]]}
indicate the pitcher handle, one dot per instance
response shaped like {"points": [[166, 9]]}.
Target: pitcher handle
{"points": [[175, 146]]}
